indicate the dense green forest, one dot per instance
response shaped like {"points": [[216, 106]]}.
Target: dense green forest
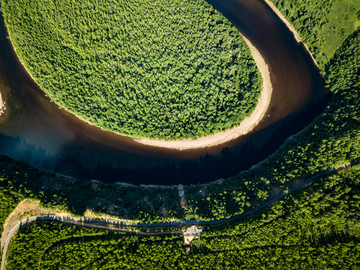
{"points": [[316, 228], [19, 181], [331, 140], [322, 24], [161, 69]]}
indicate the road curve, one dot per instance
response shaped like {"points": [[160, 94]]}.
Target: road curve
{"points": [[104, 224]]}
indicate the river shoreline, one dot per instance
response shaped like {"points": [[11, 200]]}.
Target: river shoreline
{"points": [[291, 28], [36, 127], [2, 106], [244, 127]]}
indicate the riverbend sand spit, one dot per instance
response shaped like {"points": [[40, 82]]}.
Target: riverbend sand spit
{"points": [[244, 127], [2, 106]]}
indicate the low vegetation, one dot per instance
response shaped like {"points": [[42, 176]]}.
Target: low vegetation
{"points": [[162, 69]]}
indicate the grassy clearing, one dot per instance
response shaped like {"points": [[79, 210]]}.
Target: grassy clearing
{"points": [[323, 24]]}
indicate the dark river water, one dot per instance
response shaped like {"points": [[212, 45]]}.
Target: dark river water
{"points": [[38, 132]]}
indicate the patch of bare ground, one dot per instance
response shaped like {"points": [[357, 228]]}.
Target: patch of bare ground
{"points": [[91, 214], [183, 201], [28, 208], [275, 191], [164, 212], [295, 182], [24, 209]]}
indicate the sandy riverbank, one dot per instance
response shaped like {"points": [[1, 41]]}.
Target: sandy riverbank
{"points": [[218, 138], [291, 28], [2, 106], [248, 123], [245, 126]]}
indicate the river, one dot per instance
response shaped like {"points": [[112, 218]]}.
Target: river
{"points": [[36, 131]]}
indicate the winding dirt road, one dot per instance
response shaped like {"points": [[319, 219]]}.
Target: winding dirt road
{"points": [[116, 225]]}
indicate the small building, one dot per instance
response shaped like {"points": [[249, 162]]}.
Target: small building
{"points": [[191, 233]]}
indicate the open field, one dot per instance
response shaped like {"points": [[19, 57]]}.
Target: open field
{"points": [[323, 25]]}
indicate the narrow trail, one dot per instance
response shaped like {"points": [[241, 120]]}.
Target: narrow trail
{"points": [[116, 225]]}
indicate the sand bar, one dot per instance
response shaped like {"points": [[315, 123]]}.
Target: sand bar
{"points": [[2, 106]]}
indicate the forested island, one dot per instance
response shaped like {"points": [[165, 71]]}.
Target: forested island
{"points": [[164, 69], [317, 227]]}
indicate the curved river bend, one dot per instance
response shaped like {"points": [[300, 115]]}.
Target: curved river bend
{"points": [[38, 132]]}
